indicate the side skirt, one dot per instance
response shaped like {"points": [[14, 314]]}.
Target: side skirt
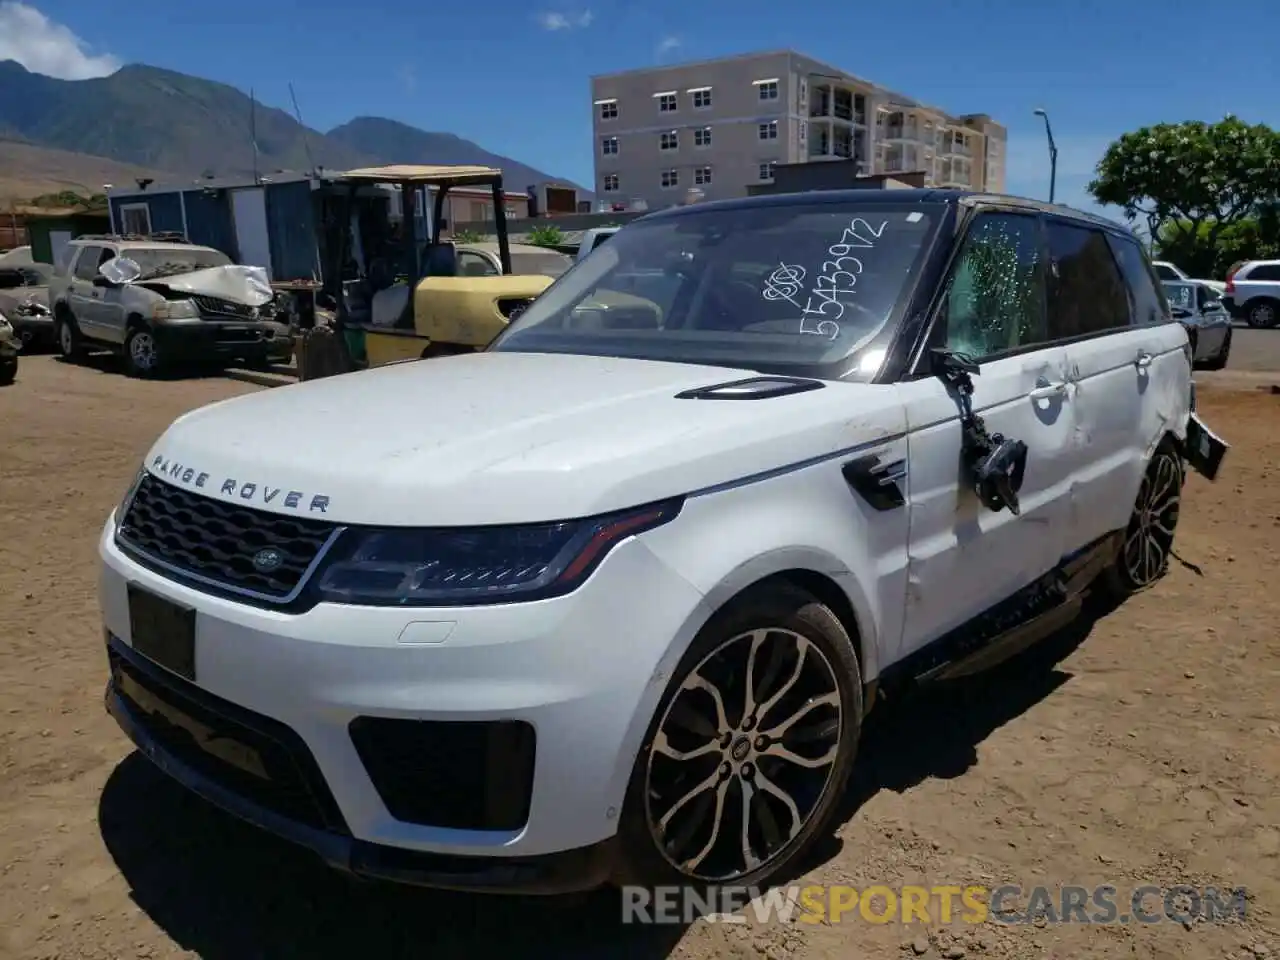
{"points": [[1009, 627]]}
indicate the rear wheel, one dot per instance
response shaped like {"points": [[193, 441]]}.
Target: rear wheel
{"points": [[70, 342], [749, 749], [1263, 313], [1148, 539]]}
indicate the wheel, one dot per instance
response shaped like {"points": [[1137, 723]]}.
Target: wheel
{"points": [[141, 353], [1143, 557], [749, 749], [70, 342], [1220, 361], [1263, 313], [8, 371]]}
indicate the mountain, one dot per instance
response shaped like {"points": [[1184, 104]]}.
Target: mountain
{"points": [[168, 121], [401, 143], [27, 171]]}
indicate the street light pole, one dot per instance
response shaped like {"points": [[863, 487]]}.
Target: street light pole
{"points": [[1053, 153]]}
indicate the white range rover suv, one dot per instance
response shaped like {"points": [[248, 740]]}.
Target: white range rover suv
{"points": [[610, 600]]}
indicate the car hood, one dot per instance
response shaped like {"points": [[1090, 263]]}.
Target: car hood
{"points": [[503, 438], [247, 285]]}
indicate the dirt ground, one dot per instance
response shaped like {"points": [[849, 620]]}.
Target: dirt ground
{"points": [[1143, 748]]}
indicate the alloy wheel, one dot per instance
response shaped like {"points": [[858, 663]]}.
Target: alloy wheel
{"points": [[66, 339], [142, 350], [1262, 315], [1149, 538], [743, 754]]}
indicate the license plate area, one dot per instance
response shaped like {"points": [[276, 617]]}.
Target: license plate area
{"points": [[1205, 449], [163, 631]]}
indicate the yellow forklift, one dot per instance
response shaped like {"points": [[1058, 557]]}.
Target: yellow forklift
{"points": [[394, 284]]}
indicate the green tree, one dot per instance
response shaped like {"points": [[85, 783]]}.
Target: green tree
{"points": [[1192, 178]]}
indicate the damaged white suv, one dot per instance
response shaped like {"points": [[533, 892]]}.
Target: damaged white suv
{"points": [[160, 302], [610, 600]]}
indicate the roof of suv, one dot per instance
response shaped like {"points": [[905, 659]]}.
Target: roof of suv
{"points": [[136, 244], [903, 196]]}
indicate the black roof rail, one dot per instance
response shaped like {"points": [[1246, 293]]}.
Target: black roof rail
{"points": [[162, 237]]}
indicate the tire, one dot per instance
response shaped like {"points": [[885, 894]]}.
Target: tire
{"points": [[1262, 313], [142, 356], [8, 371], [1144, 554], [67, 333], [695, 803], [1220, 361]]}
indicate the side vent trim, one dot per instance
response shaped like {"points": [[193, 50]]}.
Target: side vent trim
{"points": [[752, 388]]}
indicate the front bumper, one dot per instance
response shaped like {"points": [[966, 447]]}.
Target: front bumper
{"points": [[580, 670], [193, 341]]}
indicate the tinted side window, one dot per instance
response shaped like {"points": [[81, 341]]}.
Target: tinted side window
{"points": [[1265, 271], [1086, 292], [87, 263], [1149, 304], [995, 298], [10, 279]]}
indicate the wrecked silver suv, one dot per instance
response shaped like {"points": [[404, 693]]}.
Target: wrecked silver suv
{"points": [[160, 303]]}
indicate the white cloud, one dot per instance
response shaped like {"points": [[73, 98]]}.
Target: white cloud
{"points": [[666, 45], [554, 20], [42, 46]]}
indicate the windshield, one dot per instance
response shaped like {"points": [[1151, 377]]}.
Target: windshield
{"points": [[759, 287], [166, 263], [549, 264]]}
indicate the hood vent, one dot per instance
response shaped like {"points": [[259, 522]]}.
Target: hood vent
{"points": [[753, 388]]}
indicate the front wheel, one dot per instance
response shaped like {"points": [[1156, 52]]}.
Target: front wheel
{"points": [[142, 353], [746, 757], [70, 342], [8, 370]]}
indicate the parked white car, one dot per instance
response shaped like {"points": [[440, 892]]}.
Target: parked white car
{"points": [[1169, 272], [611, 600], [1253, 292]]}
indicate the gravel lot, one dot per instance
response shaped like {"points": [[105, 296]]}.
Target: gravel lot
{"points": [[1143, 748]]}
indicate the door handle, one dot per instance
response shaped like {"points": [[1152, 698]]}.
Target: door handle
{"points": [[1143, 360], [1046, 389]]}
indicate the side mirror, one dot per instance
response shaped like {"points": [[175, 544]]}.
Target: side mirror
{"points": [[998, 476], [101, 281]]}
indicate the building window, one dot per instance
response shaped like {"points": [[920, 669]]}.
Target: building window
{"points": [[610, 184], [609, 146], [768, 89], [135, 219], [667, 103], [608, 109], [670, 179], [702, 137], [669, 140], [702, 176], [766, 169], [769, 131], [701, 98]]}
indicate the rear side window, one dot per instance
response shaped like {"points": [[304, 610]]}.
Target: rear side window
{"points": [[1149, 304], [1086, 292], [63, 263], [1264, 271]]}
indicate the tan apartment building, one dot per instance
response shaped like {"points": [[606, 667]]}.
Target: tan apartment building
{"points": [[719, 125]]}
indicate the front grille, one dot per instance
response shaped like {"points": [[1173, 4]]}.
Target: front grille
{"points": [[460, 775], [217, 307], [217, 541], [248, 335], [250, 755]]}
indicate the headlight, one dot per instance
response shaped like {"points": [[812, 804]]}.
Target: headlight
{"points": [[175, 310], [453, 567]]}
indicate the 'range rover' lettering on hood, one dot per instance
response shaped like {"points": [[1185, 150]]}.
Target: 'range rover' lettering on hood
{"points": [[498, 438], [250, 491]]}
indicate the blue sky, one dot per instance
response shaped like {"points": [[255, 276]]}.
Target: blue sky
{"points": [[512, 75]]}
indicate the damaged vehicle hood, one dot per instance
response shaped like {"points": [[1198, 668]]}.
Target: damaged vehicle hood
{"points": [[247, 285]]}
